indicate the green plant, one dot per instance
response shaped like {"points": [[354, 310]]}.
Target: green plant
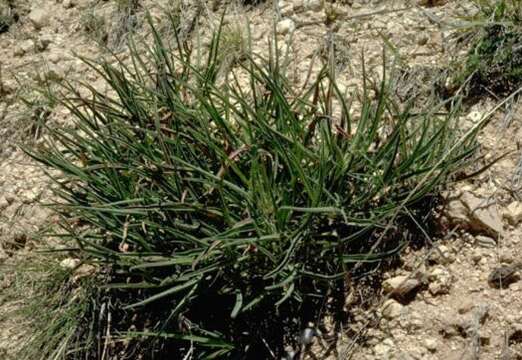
{"points": [[220, 212], [494, 63], [48, 300]]}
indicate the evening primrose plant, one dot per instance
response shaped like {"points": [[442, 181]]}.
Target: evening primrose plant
{"points": [[217, 213]]}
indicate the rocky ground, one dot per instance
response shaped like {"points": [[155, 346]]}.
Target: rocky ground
{"points": [[459, 298]]}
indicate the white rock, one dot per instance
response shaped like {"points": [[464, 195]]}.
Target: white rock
{"points": [[315, 5], [400, 285], [39, 17], [442, 255], [440, 281], [70, 263], [431, 344], [513, 213], [285, 26], [485, 241], [67, 4], [24, 47], [391, 309]]}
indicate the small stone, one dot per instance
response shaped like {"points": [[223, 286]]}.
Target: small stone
{"points": [[43, 43], [440, 281], [476, 257], [485, 241], [400, 286], [431, 344], [39, 18], [503, 276], [84, 270], [422, 39], [441, 255], [391, 309], [69, 263], [481, 214], [3, 203], [382, 350], [285, 26], [314, 5], [513, 213], [67, 4], [24, 47]]}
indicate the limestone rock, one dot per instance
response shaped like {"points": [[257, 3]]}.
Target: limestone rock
{"points": [[440, 281], [391, 309], [39, 18], [400, 286], [485, 241], [476, 213], [513, 213], [24, 47], [442, 255], [70, 263]]}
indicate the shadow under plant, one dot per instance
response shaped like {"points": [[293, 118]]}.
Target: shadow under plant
{"points": [[223, 218]]}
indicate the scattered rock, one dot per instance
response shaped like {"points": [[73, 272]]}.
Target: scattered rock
{"points": [[84, 270], [440, 281], [475, 213], [503, 276], [400, 286], [383, 349], [485, 241], [431, 344], [441, 255], [391, 309], [513, 213], [70, 263], [67, 4], [422, 39], [39, 17], [315, 5], [24, 47], [285, 26], [43, 43]]}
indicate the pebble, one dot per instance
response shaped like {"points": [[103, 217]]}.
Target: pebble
{"points": [[431, 344], [485, 241], [67, 4], [440, 281], [315, 5], [442, 255], [513, 213], [400, 286], [39, 18], [69, 263], [24, 47], [391, 309]]}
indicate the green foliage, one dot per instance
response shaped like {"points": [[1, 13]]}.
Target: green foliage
{"points": [[215, 208], [494, 63], [53, 308]]}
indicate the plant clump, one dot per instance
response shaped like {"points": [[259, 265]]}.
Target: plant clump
{"points": [[223, 216], [494, 63]]}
